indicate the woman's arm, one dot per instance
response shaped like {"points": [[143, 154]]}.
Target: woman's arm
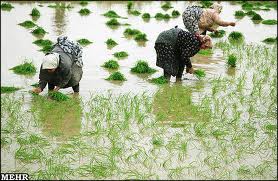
{"points": [[220, 22]]}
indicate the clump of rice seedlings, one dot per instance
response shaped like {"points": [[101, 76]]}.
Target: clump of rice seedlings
{"points": [[129, 5], [142, 67], [39, 31], [232, 60], [235, 36], [134, 12], [205, 52], [175, 13], [167, 16], [28, 154], [159, 80], [141, 37], [160, 16], [251, 13], [58, 96], [27, 68], [35, 12], [111, 43], [257, 17], [206, 4], [35, 85], [199, 73], [27, 24], [218, 34], [111, 14], [270, 40], [166, 6], [239, 14], [131, 32], [6, 6], [5, 89], [83, 3], [269, 22], [43, 43], [121, 54], [247, 6], [146, 16], [111, 64], [46, 48], [113, 22], [116, 76], [84, 42], [84, 12]]}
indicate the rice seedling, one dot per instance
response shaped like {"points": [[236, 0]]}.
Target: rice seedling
{"points": [[247, 6], [111, 14], [205, 3], [58, 96], [84, 12], [129, 5], [116, 76], [6, 6], [60, 5], [251, 13], [43, 43], [26, 68], [270, 40], [134, 12], [232, 59], [141, 37], [159, 80], [142, 67], [205, 52], [160, 16], [166, 6], [35, 12], [46, 48], [121, 54], [111, 64], [27, 24], [28, 154], [111, 43], [113, 22], [146, 16], [257, 17], [167, 16], [131, 32], [84, 42], [83, 3], [39, 31], [235, 36], [5, 89], [199, 73], [175, 13], [269, 22], [157, 142], [35, 85], [239, 14], [218, 34]]}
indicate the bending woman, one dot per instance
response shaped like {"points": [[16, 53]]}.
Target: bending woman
{"points": [[174, 48]]}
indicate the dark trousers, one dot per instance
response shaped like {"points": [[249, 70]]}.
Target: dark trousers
{"points": [[74, 88], [180, 71]]}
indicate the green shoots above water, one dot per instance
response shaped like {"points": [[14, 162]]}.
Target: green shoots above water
{"points": [[26, 68], [84, 42], [235, 36], [134, 12], [270, 40], [39, 31], [141, 37], [142, 67], [116, 76], [111, 14], [232, 59], [269, 22], [84, 12], [27, 24], [121, 54], [175, 13], [111, 43], [131, 32], [43, 43], [159, 80], [58, 96], [129, 5], [111, 64], [257, 17], [146, 16], [6, 6], [218, 34], [166, 6], [5, 89], [35, 12], [239, 14], [199, 73]]}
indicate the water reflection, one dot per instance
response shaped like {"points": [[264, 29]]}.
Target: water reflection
{"points": [[231, 71], [59, 19]]}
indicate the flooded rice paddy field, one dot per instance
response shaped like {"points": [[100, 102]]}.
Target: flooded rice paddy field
{"points": [[221, 127]]}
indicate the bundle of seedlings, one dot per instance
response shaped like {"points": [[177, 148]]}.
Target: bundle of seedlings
{"points": [[131, 32], [5, 89], [218, 34], [116, 76], [239, 14], [84, 41], [251, 13], [134, 12], [142, 67], [111, 64], [84, 12], [141, 37], [175, 13], [111, 43], [270, 40], [28, 24], [121, 54], [6, 6], [26, 68], [58, 96], [199, 73], [146, 16], [39, 31], [111, 14], [35, 12], [43, 43], [129, 5], [83, 3], [160, 16], [159, 80], [235, 36], [269, 22], [166, 6], [232, 59], [47, 48], [257, 17], [247, 6]]}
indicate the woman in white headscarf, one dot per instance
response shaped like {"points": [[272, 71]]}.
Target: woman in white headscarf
{"points": [[62, 67], [197, 20]]}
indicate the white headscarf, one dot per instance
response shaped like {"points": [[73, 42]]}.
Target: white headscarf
{"points": [[217, 7], [50, 61]]}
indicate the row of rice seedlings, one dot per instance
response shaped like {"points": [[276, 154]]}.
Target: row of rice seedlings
{"points": [[116, 76], [111, 43], [112, 14], [84, 42], [7, 89], [84, 12], [6, 6], [218, 34], [121, 54], [26, 68], [270, 40]]}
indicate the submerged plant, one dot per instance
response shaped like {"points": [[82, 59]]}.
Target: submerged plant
{"points": [[35, 12], [159, 80], [6, 6], [43, 43], [146, 16], [116, 76], [141, 37], [84, 42], [134, 12], [232, 59], [28, 24], [111, 64], [257, 17], [111, 14], [199, 73], [58, 96], [113, 22], [270, 40], [121, 54], [111, 43], [235, 36], [39, 31], [269, 22], [131, 32], [84, 12], [218, 34], [239, 14], [5, 89], [166, 6], [205, 52], [175, 13], [26, 68], [142, 67]]}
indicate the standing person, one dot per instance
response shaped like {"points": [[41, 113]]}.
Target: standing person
{"points": [[62, 67], [199, 20], [174, 48]]}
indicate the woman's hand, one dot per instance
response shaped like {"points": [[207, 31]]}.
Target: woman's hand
{"points": [[232, 24], [37, 90], [190, 70]]}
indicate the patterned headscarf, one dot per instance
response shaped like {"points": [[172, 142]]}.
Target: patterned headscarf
{"points": [[50, 61], [217, 7]]}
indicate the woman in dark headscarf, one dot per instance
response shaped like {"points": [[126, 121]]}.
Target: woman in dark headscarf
{"points": [[174, 48]]}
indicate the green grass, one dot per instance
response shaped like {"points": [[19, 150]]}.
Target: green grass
{"points": [[35, 12], [113, 22], [116, 76], [111, 43], [146, 16], [205, 52], [251, 13], [26, 68], [141, 37], [131, 32], [269, 22], [111, 14], [142, 67], [6, 6], [219, 34], [28, 24], [39, 31], [43, 43], [121, 54], [232, 59], [239, 14], [270, 40], [84, 42], [235, 36], [84, 12], [199, 73], [159, 80], [111, 64], [5, 89], [129, 5], [134, 12], [166, 6], [58, 96], [175, 13], [257, 17]]}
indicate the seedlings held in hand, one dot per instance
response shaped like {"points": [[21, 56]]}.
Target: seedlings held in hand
{"points": [[26, 68], [35, 85], [232, 60], [205, 52], [84, 12], [111, 64], [142, 67], [116, 76]]}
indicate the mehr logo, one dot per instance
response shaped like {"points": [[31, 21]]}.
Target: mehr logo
{"points": [[14, 176]]}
